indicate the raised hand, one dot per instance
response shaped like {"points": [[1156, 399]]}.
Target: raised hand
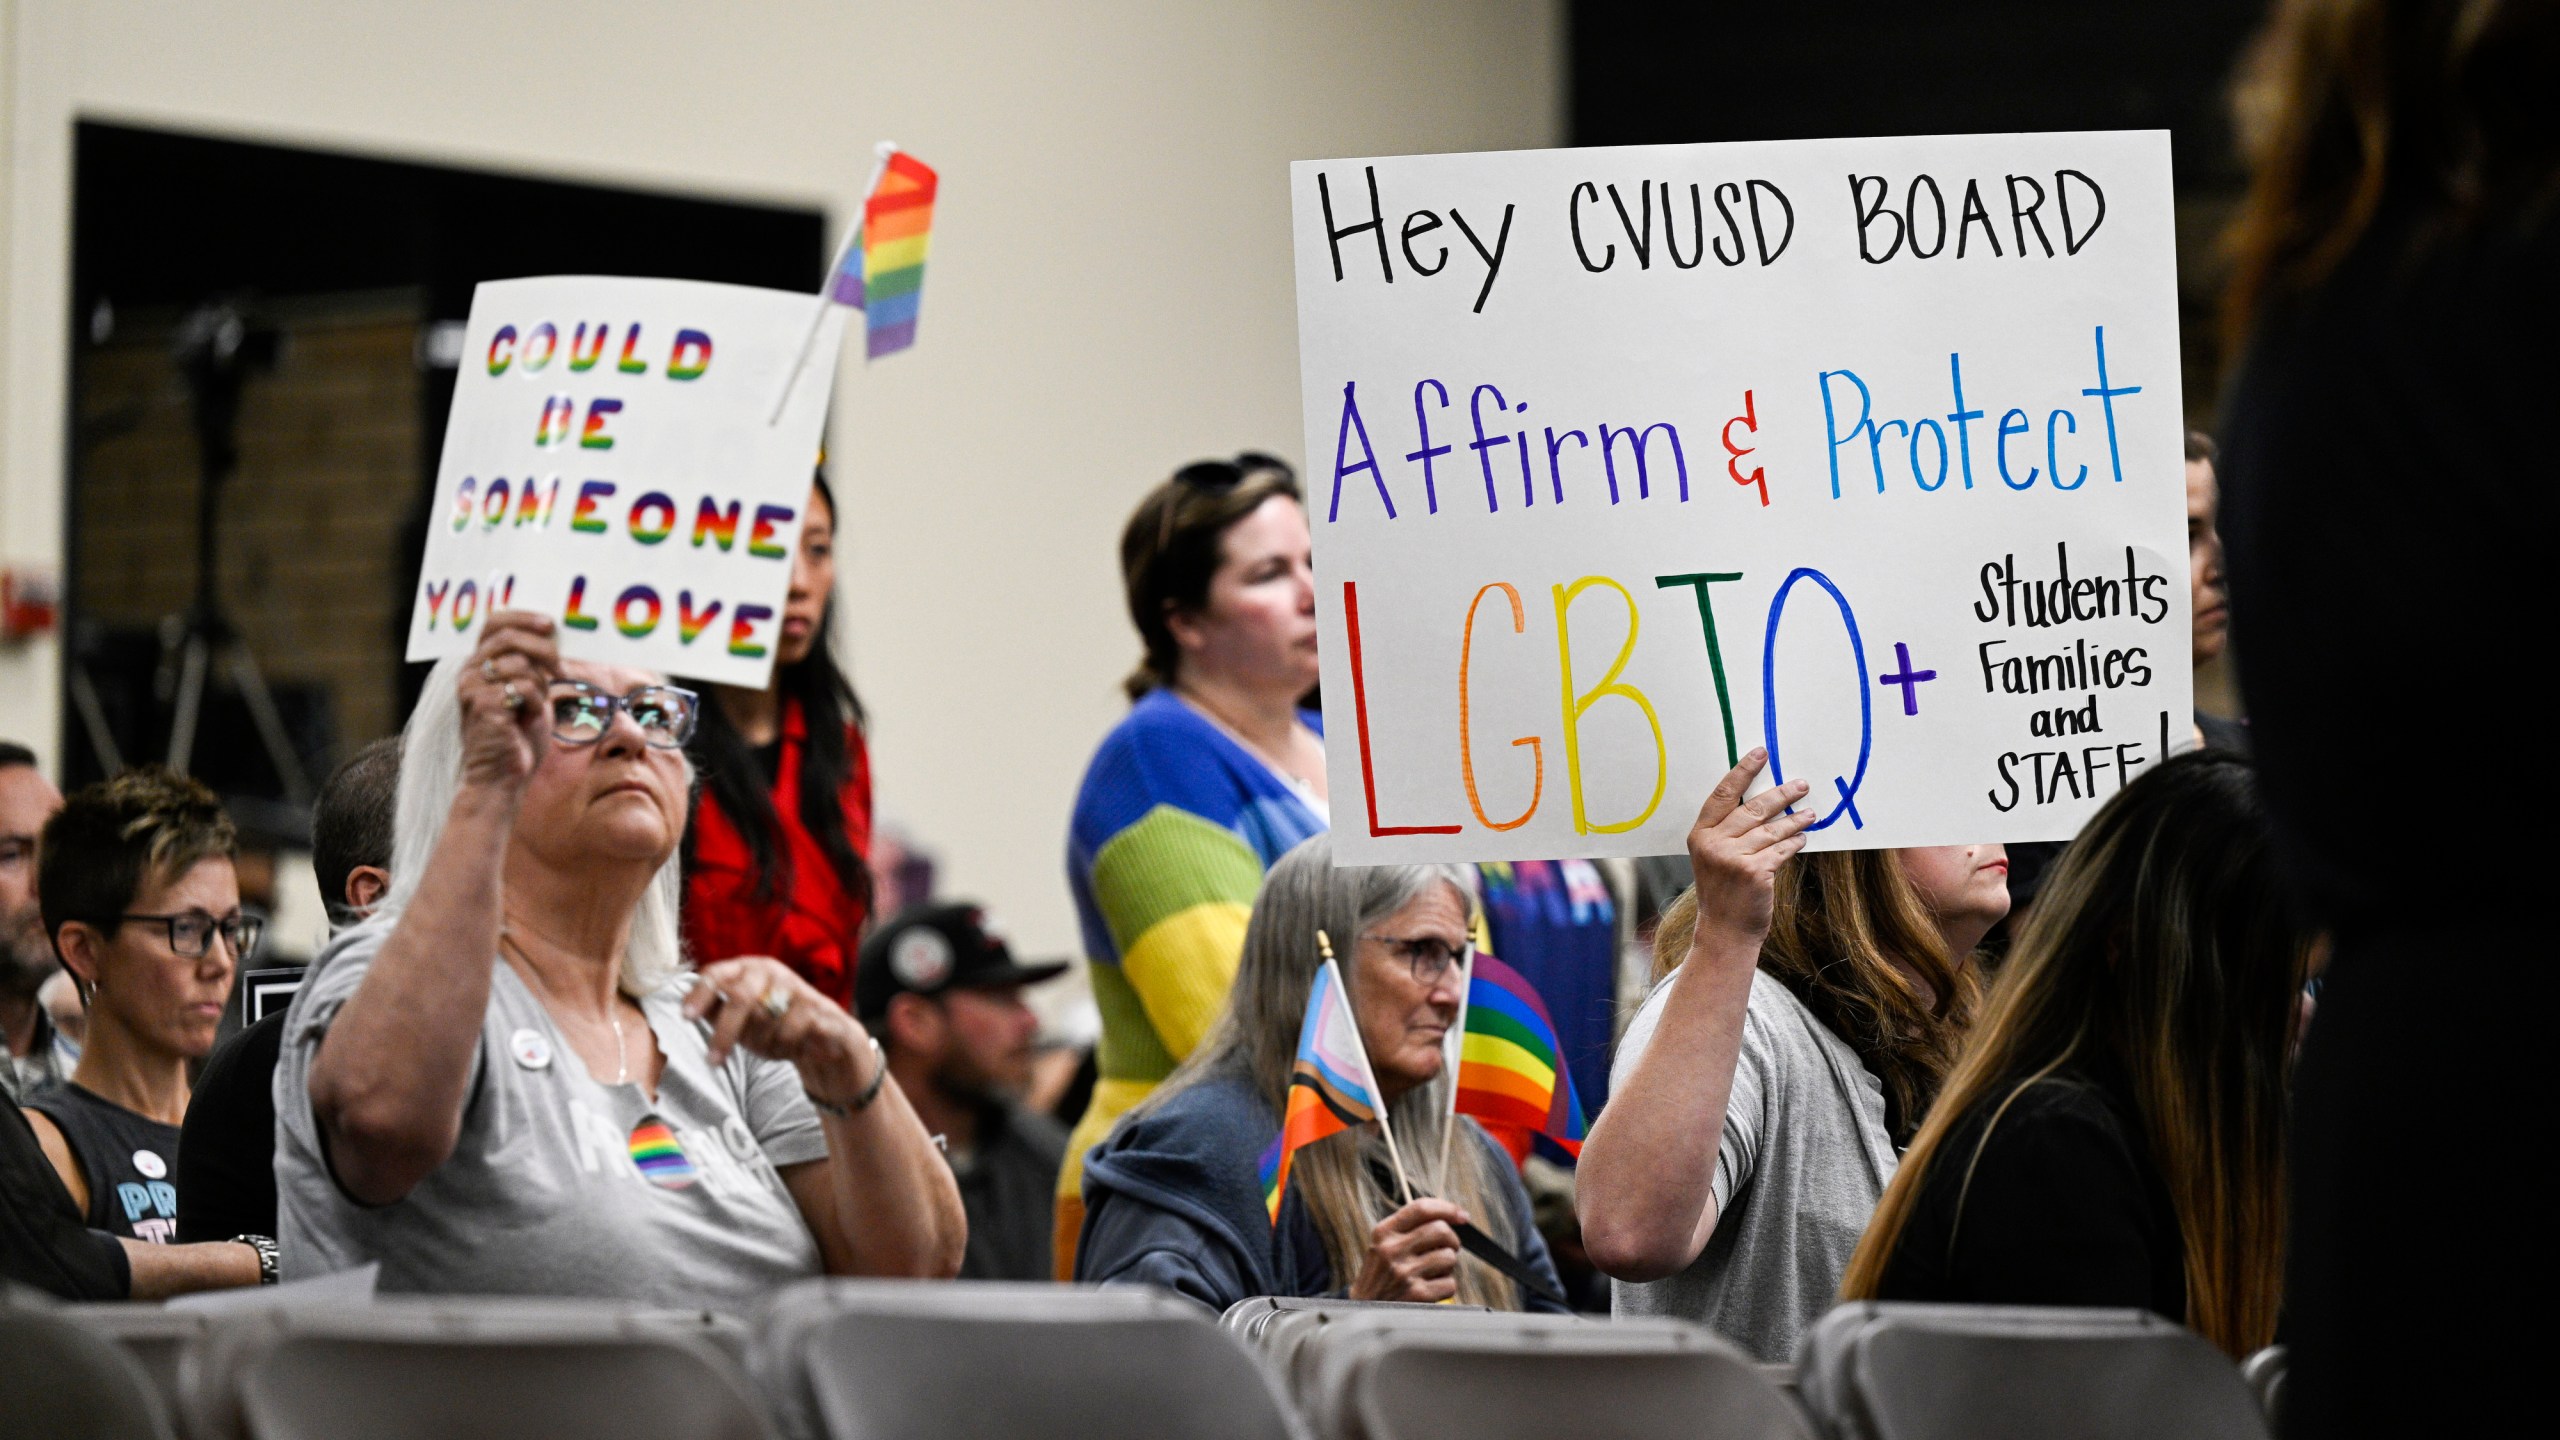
{"points": [[1735, 850], [503, 738]]}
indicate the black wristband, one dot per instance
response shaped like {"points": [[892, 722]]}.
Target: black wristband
{"points": [[268, 1273], [870, 1092]]}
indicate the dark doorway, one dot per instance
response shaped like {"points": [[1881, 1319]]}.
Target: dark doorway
{"points": [[301, 306]]}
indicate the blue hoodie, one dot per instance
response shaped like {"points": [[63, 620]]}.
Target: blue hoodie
{"points": [[1174, 1199]]}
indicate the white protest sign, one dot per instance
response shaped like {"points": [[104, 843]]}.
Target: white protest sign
{"points": [[609, 463], [1623, 461]]}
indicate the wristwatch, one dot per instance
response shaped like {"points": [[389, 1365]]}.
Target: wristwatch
{"points": [[266, 1248]]}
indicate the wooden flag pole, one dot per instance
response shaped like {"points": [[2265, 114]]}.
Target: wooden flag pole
{"points": [[827, 284], [1324, 945]]}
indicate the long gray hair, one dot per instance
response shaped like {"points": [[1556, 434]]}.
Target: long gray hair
{"points": [[1256, 1040], [431, 773]]}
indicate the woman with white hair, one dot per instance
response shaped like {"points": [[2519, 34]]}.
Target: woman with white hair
{"points": [[505, 1081], [1175, 1196]]}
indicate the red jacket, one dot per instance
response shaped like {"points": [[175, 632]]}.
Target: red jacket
{"points": [[813, 925]]}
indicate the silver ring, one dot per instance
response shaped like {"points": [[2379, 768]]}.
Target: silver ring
{"points": [[777, 1002], [488, 669]]}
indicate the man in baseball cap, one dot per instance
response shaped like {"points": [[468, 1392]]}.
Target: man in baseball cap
{"points": [[944, 994]]}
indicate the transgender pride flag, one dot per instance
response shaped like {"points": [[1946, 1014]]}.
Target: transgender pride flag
{"points": [[882, 273], [1330, 1090]]}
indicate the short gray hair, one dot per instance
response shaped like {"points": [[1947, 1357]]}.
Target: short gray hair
{"points": [[431, 774]]}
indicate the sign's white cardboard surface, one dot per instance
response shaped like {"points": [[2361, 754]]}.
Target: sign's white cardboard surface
{"points": [[1869, 451], [608, 463]]}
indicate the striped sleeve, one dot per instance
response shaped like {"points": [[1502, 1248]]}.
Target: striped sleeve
{"points": [[1175, 890]]}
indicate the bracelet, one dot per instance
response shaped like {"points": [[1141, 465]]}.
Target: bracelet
{"points": [[870, 1092], [267, 1268]]}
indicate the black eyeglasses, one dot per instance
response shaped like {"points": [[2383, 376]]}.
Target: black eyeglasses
{"points": [[581, 713], [1428, 956], [191, 932], [1217, 477]]}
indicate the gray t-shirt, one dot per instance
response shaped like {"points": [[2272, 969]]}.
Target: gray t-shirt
{"points": [[561, 1184], [1804, 1159]]}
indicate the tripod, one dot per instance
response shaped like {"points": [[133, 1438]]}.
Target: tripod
{"points": [[217, 348]]}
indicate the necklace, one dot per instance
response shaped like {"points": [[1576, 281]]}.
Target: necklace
{"points": [[613, 1017]]}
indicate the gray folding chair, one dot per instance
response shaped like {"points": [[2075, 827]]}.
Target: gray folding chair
{"points": [[1873, 1370], [857, 1360], [2264, 1373], [1498, 1376], [65, 1381], [428, 1368], [152, 1334]]}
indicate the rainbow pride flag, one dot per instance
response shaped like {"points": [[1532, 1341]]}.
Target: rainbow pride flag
{"points": [[1330, 1090], [1511, 1070], [882, 272]]}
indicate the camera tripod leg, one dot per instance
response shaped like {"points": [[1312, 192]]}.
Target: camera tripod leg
{"points": [[93, 720], [187, 704], [262, 709]]}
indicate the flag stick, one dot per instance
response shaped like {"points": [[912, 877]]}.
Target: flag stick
{"points": [[1368, 1073], [1449, 1132], [827, 284]]}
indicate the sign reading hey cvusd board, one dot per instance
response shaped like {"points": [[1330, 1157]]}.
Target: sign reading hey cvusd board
{"points": [[1624, 461], [613, 460]]}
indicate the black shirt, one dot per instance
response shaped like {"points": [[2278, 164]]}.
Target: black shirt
{"points": [[2065, 1207], [127, 1159], [1009, 1187], [42, 1242], [227, 1148]]}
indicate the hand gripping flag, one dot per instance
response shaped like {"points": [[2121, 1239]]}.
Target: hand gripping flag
{"points": [[1511, 1071], [1330, 1089]]}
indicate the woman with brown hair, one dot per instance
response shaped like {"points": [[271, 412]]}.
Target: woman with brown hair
{"points": [[2114, 1133], [1215, 773], [1802, 1018], [2385, 442]]}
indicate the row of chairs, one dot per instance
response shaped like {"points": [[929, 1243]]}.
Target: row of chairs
{"points": [[854, 1360]]}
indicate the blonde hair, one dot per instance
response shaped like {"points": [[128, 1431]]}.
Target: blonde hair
{"points": [[1256, 1040], [430, 776], [2160, 942], [1852, 939]]}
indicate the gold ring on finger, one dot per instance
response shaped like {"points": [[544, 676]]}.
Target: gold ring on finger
{"points": [[514, 697], [777, 1001]]}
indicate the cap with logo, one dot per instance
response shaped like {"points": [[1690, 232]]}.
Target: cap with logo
{"points": [[929, 949]]}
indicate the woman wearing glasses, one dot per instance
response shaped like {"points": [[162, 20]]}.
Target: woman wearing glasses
{"points": [[138, 893], [1176, 1197], [777, 860], [1215, 773], [505, 1083]]}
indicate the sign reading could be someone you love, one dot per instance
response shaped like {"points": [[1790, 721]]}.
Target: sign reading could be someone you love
{"points": [[1624, 461], [609, 463]]}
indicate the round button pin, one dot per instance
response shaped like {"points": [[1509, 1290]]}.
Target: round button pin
{"points": [[151, 1165], [531, 1050]]}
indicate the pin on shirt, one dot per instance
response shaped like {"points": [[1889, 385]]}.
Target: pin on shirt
{"points": [[531, 1050]]}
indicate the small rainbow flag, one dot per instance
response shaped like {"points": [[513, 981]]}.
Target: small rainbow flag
{"points": [[1511, 1071], [660, 1155], [882, 272], [1330, 1089]]}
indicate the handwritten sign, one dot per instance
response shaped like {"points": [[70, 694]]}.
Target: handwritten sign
{"points": [[608, 463], [1624, 461]]}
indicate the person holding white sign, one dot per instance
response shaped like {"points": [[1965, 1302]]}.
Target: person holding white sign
{"points": [[504, 1082], [1215, 773], [1808, 1011]]}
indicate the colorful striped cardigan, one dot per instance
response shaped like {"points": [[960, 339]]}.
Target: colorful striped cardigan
{"points": [[1173, 828]]}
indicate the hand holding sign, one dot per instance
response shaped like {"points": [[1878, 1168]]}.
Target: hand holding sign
{"points": [[506, 722]]}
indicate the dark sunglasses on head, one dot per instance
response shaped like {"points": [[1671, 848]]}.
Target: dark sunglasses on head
{"points": [[1217, 477]]}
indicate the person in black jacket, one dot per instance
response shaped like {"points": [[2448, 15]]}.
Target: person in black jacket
{"points": [[2114, 1133]]}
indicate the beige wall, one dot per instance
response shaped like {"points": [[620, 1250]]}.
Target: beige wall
{"points": [[1109, 295]]}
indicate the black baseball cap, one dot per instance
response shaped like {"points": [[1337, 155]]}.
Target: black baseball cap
{"points": [[930, 948]]}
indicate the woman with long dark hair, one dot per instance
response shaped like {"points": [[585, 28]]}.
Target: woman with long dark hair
{"points": [[1803, 1015], [2388, 492], [775, 862], [2114, 1132]]}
